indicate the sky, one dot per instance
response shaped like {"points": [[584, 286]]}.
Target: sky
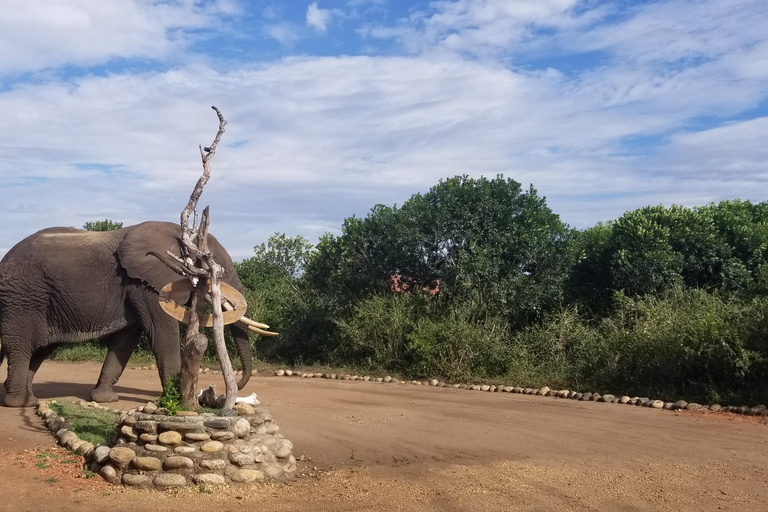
{"points": [[336, 106]]}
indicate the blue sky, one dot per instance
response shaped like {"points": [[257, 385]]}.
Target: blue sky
{"points": [[335, 106]]}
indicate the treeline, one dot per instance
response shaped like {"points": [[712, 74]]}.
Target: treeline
{"points": [[478, 278]]}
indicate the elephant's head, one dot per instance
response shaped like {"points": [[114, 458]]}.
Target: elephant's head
{"points": [[134, 256]]}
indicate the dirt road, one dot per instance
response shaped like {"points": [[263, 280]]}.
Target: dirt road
{"points": [[371, 446]]}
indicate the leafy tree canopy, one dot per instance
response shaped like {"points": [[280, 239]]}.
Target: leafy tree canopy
{"points": [[102, 225]]}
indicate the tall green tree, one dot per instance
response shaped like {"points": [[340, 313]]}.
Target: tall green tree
{"points": [[485, 244]]}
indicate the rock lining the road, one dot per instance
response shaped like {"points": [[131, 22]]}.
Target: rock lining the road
{"points": [[155, 450], [585, 396]]}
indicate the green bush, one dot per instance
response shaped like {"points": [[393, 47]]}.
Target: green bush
{"points": [[457, 349], [376, 334], [170, 400]]}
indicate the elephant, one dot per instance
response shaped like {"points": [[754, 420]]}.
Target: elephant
{"points": [[65, 285]]}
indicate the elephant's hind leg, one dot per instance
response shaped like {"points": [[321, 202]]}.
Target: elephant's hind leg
{"points": [[34, 364], [120, 346]]}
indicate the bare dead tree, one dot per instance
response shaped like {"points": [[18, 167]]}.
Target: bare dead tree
{"points": [[199, 265]]}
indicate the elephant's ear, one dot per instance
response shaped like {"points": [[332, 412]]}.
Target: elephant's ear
{"points": [[142, 239]]}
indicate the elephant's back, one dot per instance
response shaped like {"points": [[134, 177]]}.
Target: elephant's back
{"points": [[61, 243]]}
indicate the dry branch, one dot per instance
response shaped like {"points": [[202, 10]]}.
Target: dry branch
{"points": [[197, 260]]}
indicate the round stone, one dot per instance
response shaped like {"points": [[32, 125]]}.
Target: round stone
{"points": [[246, 476], [148, 438], [177, 462], [607, 398], [101, 454], [170, 437], [184, 450], [66, 437], [388, 379], [274, 471], [155, 448], [692, 407], [212, 446], [624, 399], [283, 453], [121, 456], [289, 372], [280, 373], [84, 448], [680, 404], [146, 463], [135, 480], [657, 404], [244, 409], [485, 387], [164, 480], [543, 390], [213, 464], [128, 433], [241, 428], [241, 459], [108, 473], [209, 479], [433, 382], [379, 379], [715, 407], [223, 436], [197, 436], [150, 427], [150, 408]]}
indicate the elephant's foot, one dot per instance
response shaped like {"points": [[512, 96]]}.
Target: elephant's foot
{"points": [[102, 395], [20, 400]]}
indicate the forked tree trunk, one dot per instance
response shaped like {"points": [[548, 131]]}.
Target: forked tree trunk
{"points": [[200, 265]]}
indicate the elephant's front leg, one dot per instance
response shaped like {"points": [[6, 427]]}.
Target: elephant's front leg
{"points": [[120, 346], [18, 392]]}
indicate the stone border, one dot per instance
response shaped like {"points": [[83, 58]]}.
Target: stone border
{"points": [[155, 450], [757, 410]]}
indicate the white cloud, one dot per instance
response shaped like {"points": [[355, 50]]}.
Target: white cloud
{"points": [[44, 34], [285, 33], [318, 18]]}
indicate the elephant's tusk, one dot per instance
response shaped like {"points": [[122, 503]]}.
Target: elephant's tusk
{"points": [[261, 331], [249, 322]]}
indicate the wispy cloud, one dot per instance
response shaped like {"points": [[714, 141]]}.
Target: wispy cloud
{"points": [[318, 18], [45, 34]]}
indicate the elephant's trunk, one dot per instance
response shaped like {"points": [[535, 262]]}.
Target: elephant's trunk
{"points": [[243, 344]]}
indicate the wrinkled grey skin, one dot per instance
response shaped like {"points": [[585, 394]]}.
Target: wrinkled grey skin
{"points": [[65, 285]]}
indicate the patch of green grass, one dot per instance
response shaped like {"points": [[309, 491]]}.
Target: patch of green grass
{"points": [[213, 410], [96, 351], [42, 465], [51, 480], [87, 473], [96, 426], [202, 489], [46, 455]]}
